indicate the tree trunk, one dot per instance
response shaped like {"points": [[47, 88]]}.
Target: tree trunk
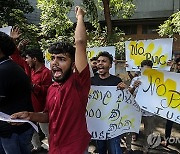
{"points": [[107, 17]]}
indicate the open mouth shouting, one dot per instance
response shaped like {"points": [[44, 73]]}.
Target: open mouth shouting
{"points": [[57, 72]]}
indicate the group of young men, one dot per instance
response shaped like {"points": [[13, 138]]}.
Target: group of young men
{"points": [[26, 86], [66, 98]]}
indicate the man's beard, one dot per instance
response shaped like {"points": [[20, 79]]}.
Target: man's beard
{"points": [[95, 70], [65, 76]]}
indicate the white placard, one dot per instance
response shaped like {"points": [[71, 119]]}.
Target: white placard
{"points": [[6, 30], [159, 93], [159, 51], [111, 112]]}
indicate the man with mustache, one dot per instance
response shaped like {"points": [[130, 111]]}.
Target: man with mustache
{"points": [[67, 98], [104, 78]]}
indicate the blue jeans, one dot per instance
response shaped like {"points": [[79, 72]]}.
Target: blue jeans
{"points": [[112, 145], [17, 143]]}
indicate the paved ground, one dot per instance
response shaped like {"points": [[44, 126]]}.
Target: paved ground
{"points": [[137, 146]]}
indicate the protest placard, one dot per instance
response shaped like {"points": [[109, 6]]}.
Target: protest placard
{"points": [[6, 30], [159, 51], [159, 93], [111, 112]]}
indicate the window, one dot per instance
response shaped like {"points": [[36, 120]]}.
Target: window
{"points": [[149, 29]]}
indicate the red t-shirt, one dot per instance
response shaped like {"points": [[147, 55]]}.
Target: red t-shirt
{"points": [[20, 61], [41, 80], [66, 106]]}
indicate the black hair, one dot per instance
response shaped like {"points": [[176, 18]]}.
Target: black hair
{"points": [[64, 48], [177, 60], [7, 45], [147, 63], [93, 58], [106, 54], [35, 53]]}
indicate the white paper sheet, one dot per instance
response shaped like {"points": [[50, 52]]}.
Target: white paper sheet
{"points": [[6, 30], [6, 117]]}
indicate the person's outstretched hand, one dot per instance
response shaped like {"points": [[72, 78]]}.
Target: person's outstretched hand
{"points": [[22, 44], [15, 33], [122, 86], [79, 11], [21, 115]]}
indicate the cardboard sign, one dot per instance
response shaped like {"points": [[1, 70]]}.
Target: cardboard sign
{"points": [[111, 112], [159, 93], [159, 51], [6, 30]]}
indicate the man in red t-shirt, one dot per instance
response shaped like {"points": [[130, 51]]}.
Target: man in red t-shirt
{"points": [[41, 79], [67, 98]]}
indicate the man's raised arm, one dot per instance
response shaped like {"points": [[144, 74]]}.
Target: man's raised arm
{"points": [[80, 41]]}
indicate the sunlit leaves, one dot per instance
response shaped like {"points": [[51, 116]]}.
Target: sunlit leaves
{"points": [[170, 26], [54, 19]]}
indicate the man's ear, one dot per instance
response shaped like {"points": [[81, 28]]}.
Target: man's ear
{"points": [[110, 65], [34, 59], [73, 66]]}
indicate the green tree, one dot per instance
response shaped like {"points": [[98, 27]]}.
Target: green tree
{"points": [[12, 10], [170, 26], [13, 14], [108, 9], [55, 23], [109, 35]]}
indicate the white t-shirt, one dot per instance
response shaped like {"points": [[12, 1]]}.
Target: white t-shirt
{"points": [[144, 113]]}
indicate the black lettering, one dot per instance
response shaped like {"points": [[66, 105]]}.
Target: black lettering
{"points": [[151, 85], [178, 118], [133, 50], [101, 135], [120, 97], [174, 93], [106, 96], [141, 51], [108, 136], [169, 116], [148, 56], [161, 92], [94, 135], [164, 100], [91, 113], [155, 59], [160, 61], [115, 114], [158, 109], [98, 113]]}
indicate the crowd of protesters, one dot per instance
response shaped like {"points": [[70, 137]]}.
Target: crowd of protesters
{"points": [[56, 100]]}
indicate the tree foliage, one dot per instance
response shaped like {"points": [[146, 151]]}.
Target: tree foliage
{"points": [[117, 8], [13, 14], [55, 23], [170, 26], [54, 19], [12, 10], [106, 10]]}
